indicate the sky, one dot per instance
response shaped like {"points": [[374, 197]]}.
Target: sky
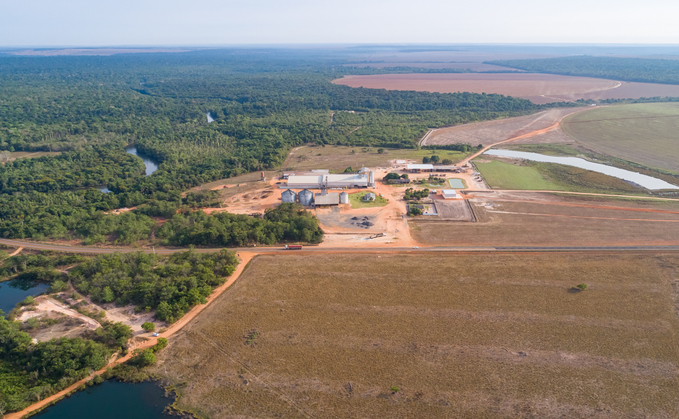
{"points": [[25, 23]]}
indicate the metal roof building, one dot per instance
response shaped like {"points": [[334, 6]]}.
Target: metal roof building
{"points": [[326, 199], [342, 181], [420, 167], [369, 196], [449, 193]]}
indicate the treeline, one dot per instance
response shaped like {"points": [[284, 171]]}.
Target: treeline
{"points": [[31, 372], [169, 285], [264, 103], [286, 223], [616, 68], [71, 170]]}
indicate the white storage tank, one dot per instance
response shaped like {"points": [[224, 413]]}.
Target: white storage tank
{"points": [[344, 198]]}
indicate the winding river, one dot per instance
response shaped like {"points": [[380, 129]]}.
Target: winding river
{"points": [[644, 181], [151, 165]]}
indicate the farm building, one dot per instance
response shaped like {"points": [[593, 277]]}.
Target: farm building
{"points": [[343, 181], [289, 196], [446, 168], [449, 193], [326, 199], [418, 168], [369, 196]]}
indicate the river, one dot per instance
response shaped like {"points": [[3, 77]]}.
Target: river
{"points": [[112, 400], [209, 117], [151, 165], [15, 291], [644, 181]]}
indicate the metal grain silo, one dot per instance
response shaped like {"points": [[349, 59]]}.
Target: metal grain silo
{"points": [[344, 198], [371, 179], [289, 196], [306, 197]]}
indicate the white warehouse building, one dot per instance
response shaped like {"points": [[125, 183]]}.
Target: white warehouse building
{"points": [[343, 181]]}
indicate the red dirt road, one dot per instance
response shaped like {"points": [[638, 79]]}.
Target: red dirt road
{"points": [[245, 258]]}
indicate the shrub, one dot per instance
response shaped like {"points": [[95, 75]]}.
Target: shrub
{"points": [[148, 326]]}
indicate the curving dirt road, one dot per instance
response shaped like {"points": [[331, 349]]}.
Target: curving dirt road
{"points": [[245, 258]]}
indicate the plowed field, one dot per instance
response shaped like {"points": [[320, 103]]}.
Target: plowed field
{"points": [[538, 88]]}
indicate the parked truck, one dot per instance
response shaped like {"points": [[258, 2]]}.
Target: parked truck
{"points": [[293, 247]]}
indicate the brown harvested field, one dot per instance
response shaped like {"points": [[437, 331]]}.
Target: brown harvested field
{"points": [[454, 210], [538, 88], [528, 220], [338, 158], [491, 132], [435, 336], [457, 66]]}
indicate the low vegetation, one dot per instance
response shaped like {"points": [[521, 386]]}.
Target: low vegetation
{"points": [[414, 341], [356, 200]]}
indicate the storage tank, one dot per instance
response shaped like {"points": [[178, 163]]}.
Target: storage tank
{"points": [[289, 195], [306, 197], [344, 198], [371, 179], [364, 170]]}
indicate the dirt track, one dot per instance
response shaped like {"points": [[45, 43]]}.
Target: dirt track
{"points": [[245, 258]]}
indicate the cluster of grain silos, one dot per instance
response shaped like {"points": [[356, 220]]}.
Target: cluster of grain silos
{"points": [[305, 197], [289, 196]]}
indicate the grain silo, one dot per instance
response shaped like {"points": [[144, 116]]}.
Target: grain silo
{"points": [[306, 197], [289, 196], [371, 179], [344, 198]]}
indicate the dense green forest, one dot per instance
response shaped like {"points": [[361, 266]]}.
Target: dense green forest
{"points": [[617, 68], [286, 223], [264, 102], [170, 285]]}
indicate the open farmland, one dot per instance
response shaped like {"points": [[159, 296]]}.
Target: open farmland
{"points": [[647, 134], [538, 88], [490, 132], [525, 219], [503, 175], [338, 158], [476, 336]]}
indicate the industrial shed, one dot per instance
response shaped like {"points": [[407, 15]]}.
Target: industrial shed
{"points": [[449, 193], [326, 199], [418, 168], [342, 181]]}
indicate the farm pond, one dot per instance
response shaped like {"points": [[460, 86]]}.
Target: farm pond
{"points": [[644, 181], [15, 291], [112, 400]]}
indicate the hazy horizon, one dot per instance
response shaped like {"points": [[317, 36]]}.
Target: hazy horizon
{"points": [[77, 23]]}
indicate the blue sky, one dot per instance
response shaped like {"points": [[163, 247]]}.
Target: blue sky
{"points": [[212, 22]]}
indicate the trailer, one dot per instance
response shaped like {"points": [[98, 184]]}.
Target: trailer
{"points": [[293, 247]]}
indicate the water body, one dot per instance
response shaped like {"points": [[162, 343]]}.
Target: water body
{"points": [[15, 291], [104, 190], [456, 183], [151, 165], [209, 117], [112, 400], [647, 182]]}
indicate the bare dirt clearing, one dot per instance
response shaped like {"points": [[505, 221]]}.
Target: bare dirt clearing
{"points": [[525, 219], [538, 88], [492, 132], [477, 336]]}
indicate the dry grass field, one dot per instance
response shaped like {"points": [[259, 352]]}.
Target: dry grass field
{"points": [[538, 88], [435, 336], [338, 158], [647, 134], [491, 132], [579, 223]]}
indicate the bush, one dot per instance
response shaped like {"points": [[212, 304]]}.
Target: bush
{"points": [[148, 326], [58, 286], [415, 211], [28, 301], [447, 161], [144, 358], [581, 287]]}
